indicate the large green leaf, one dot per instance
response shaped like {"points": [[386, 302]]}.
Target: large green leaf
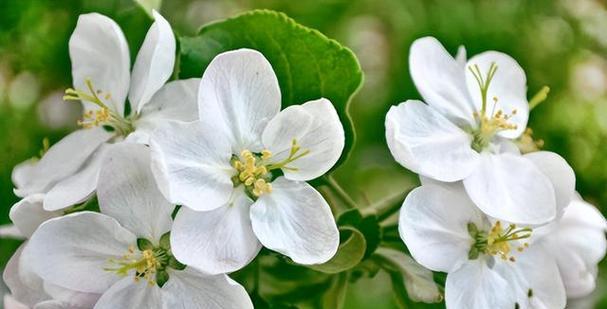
{"points": [[308, 64]]}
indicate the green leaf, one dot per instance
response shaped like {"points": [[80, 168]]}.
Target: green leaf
{"points": [[335, 296], [165, 241], [350, 252], [162, 277], [308, 64], [368, 225], [144, 244], [418, 281]]}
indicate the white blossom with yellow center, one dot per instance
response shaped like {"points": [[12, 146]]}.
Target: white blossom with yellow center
{"points": [[67, 172], [241, 171], [123, 254], [466, 128], [489, 263]]}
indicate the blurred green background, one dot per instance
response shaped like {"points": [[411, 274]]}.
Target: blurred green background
{"points": [[560, 43]]}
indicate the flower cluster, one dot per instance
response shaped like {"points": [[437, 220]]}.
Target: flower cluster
{"points": [[507, 227], [170, 186], [219, 147]]}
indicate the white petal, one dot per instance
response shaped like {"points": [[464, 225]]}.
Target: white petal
{"points": [[559, 173], [440, 80], [217, 241], [78, 187], [295, 220], [127, 192], [239, 91], [127, 293], [191, 289], [509, 86], [70, 298], [424, 141], [512, 188], [11, 231], [177, 100], [474, 285], [191, 165], [316, 128], [29, 293], [11, 303], [73, 250], [433, 224], [579, 244], [154, 63], [534, 273], [28, 214], [99, 52], [62, 160], [462, 56], [22, 172]]}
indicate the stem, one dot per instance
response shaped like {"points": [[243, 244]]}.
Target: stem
{"points": [[390, 205], [339, 191]]}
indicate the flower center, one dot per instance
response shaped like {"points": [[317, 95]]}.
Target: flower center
{"points": [[254, 170], [104, 116], [489, 124], [146, 262], [497, 241]]}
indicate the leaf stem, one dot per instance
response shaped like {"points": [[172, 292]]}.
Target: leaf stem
{"points": [[339, 191], [390, 205]]}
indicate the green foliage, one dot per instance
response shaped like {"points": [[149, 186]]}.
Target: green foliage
{"points": [[308, 64], [350, 252], [368, 225]]}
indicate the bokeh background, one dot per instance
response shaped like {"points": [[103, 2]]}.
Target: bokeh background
{"points": [[560, 43]]}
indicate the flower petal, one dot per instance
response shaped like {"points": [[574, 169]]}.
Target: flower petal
{"points": [[78, 187], [536, 279], [99, 52], [62, 160], [191, 164], [127, 293], [127, 192], [154, 63], [440, 80], [11, 303], [177, 100], [240, 92], [29, 293], [433, 223], [579, 244], [509, 86], [295, 220], [474, 285], [28, 214], [69, 298], [316, 128], [192, 289], [559, 173], [217, 241], [511, 188], [424, 141], [72, 251]]}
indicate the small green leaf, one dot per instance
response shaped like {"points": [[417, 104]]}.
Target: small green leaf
{"points": [[174, 264], [144, 244], [368, 225], [308, 65], [418, 281], [335, 296], [165, 241], [351, 251], [162, 277]]}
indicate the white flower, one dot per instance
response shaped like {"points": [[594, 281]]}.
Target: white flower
{"points": [[490, 264], [464, 131], [123, 253], [68, 172], [577, 240], [241, 170], [30, 291]]}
